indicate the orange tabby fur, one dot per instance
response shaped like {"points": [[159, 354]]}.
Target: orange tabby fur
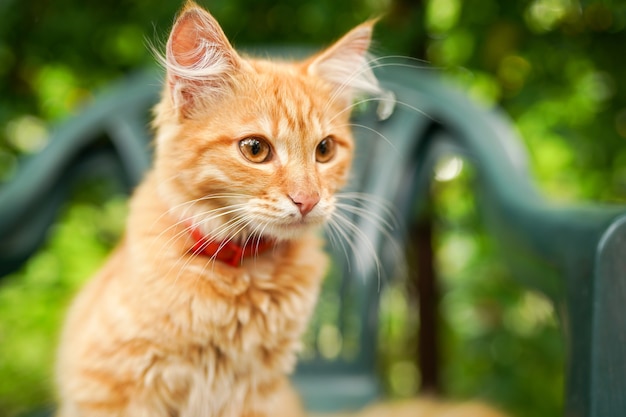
{"points": [[161, 332]]}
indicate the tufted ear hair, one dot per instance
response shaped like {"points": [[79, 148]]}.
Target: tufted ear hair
{"points": [[199, 59], [346, 64]]}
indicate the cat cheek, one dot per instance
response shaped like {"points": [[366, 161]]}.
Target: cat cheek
{"points": [[338, 175]]}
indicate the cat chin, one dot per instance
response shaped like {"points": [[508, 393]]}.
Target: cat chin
{"points": [[290, 231]]}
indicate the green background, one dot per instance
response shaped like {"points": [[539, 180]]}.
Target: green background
{"points": [[557, 67]]}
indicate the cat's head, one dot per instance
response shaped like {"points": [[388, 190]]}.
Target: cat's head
{"points": [[255, 147]]}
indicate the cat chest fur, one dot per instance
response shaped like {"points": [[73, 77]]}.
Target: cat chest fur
{"points": [[235, 349], [239, 335], [198, 339]]}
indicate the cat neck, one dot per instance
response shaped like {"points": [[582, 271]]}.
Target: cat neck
{"points": [[153, 224], [228, 251]]}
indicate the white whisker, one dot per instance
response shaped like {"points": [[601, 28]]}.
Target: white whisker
{"points": [[371, 216], [388, 209], [345, 229], [376, 132], [198, 250], [333, 227], [190, 223], [356, 232], [371, 99]]}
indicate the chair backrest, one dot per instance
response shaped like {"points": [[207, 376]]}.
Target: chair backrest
{"points": [[572, 254]]}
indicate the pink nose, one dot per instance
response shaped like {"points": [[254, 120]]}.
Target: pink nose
{"points": [[305, 202]]}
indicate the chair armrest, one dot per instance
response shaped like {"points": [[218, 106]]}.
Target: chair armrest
{"points": [[109, 136]]}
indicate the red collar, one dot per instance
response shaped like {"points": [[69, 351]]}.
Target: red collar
{"points": [[227, 251]]}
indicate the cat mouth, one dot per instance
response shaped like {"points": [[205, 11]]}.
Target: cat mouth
{"points": [[307, 220]]}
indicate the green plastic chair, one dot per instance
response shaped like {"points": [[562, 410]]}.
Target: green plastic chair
{"points": [[574, 255]]}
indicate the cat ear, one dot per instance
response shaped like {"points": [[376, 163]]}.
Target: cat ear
{"points": [[346, 64], [199, 59]]}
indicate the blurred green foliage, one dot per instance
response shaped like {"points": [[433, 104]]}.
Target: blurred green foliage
{"points": [[556, 67]]}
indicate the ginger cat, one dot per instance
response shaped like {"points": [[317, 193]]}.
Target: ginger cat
{"points": [[200, 309]]}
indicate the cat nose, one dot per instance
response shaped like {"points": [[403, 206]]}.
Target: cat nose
{"points": [[305, 202]]}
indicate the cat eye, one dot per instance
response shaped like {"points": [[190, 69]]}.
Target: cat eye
{"points": [[255, 149], [325, 150]]}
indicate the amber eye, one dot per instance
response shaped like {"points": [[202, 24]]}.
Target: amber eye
{"points": [[325, 150], [255, 149]]}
